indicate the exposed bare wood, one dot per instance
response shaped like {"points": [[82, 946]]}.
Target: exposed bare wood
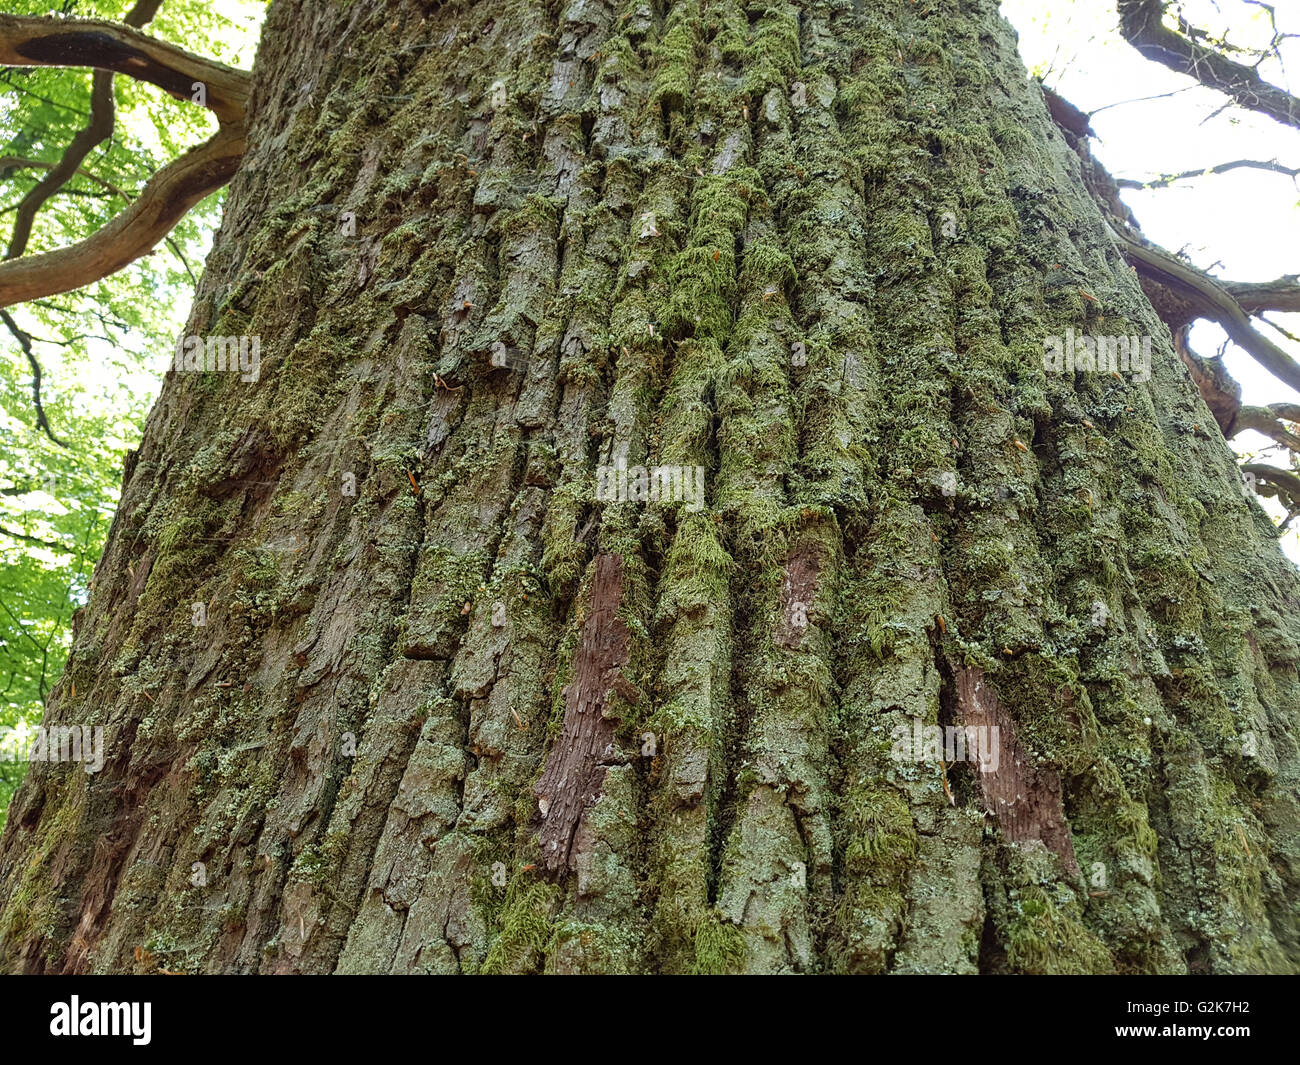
{"points": [[1022, 796], [1221, 393], [575, 767]]}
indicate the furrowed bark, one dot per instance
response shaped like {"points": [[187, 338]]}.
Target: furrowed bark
{"points": [[814, 250]]}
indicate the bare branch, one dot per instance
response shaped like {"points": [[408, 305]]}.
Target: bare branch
{"points": [[1262, 420], [1284, 482], [1289, 412], [1254, 297], [25, 342], [164, 201], [1221, 168], [1139, 100], [75, 42], [1141, 22], [142, 14], [19, 162]]}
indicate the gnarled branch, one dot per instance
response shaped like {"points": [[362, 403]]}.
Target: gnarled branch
{"points": [[1283, 482], [7, 161], [170, 193], [1141, 22], [97, 130], [1263, 420], [166, 198], [1210, 300], [1254, 297], [74, 42]]}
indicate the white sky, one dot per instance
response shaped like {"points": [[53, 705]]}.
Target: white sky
{"points": [[1245, 220]]}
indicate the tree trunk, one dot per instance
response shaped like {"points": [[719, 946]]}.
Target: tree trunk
{"points": [[450, 711]]}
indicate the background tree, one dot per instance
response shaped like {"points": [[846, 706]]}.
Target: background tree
{"points": [[446, 710]]}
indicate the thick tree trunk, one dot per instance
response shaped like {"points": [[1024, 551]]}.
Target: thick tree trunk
{"points": [[499, 724]]}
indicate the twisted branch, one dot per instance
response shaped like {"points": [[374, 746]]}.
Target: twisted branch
{"points": [[121, 48], [166, 198]]}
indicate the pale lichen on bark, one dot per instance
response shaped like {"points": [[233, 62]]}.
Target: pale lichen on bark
{"points": [[814, 248]]}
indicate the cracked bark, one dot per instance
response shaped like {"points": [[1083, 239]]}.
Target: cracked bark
{"points": [[421, 620]]}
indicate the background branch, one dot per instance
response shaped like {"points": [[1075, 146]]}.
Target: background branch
{"points": [[1221, 168], [1141, 22], [1254, 297], [25, 342], [97, 130], [1263, 420], [166, 197], [112, 46]]}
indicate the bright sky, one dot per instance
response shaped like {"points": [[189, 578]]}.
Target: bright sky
{"points": [[1246, 221]]}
